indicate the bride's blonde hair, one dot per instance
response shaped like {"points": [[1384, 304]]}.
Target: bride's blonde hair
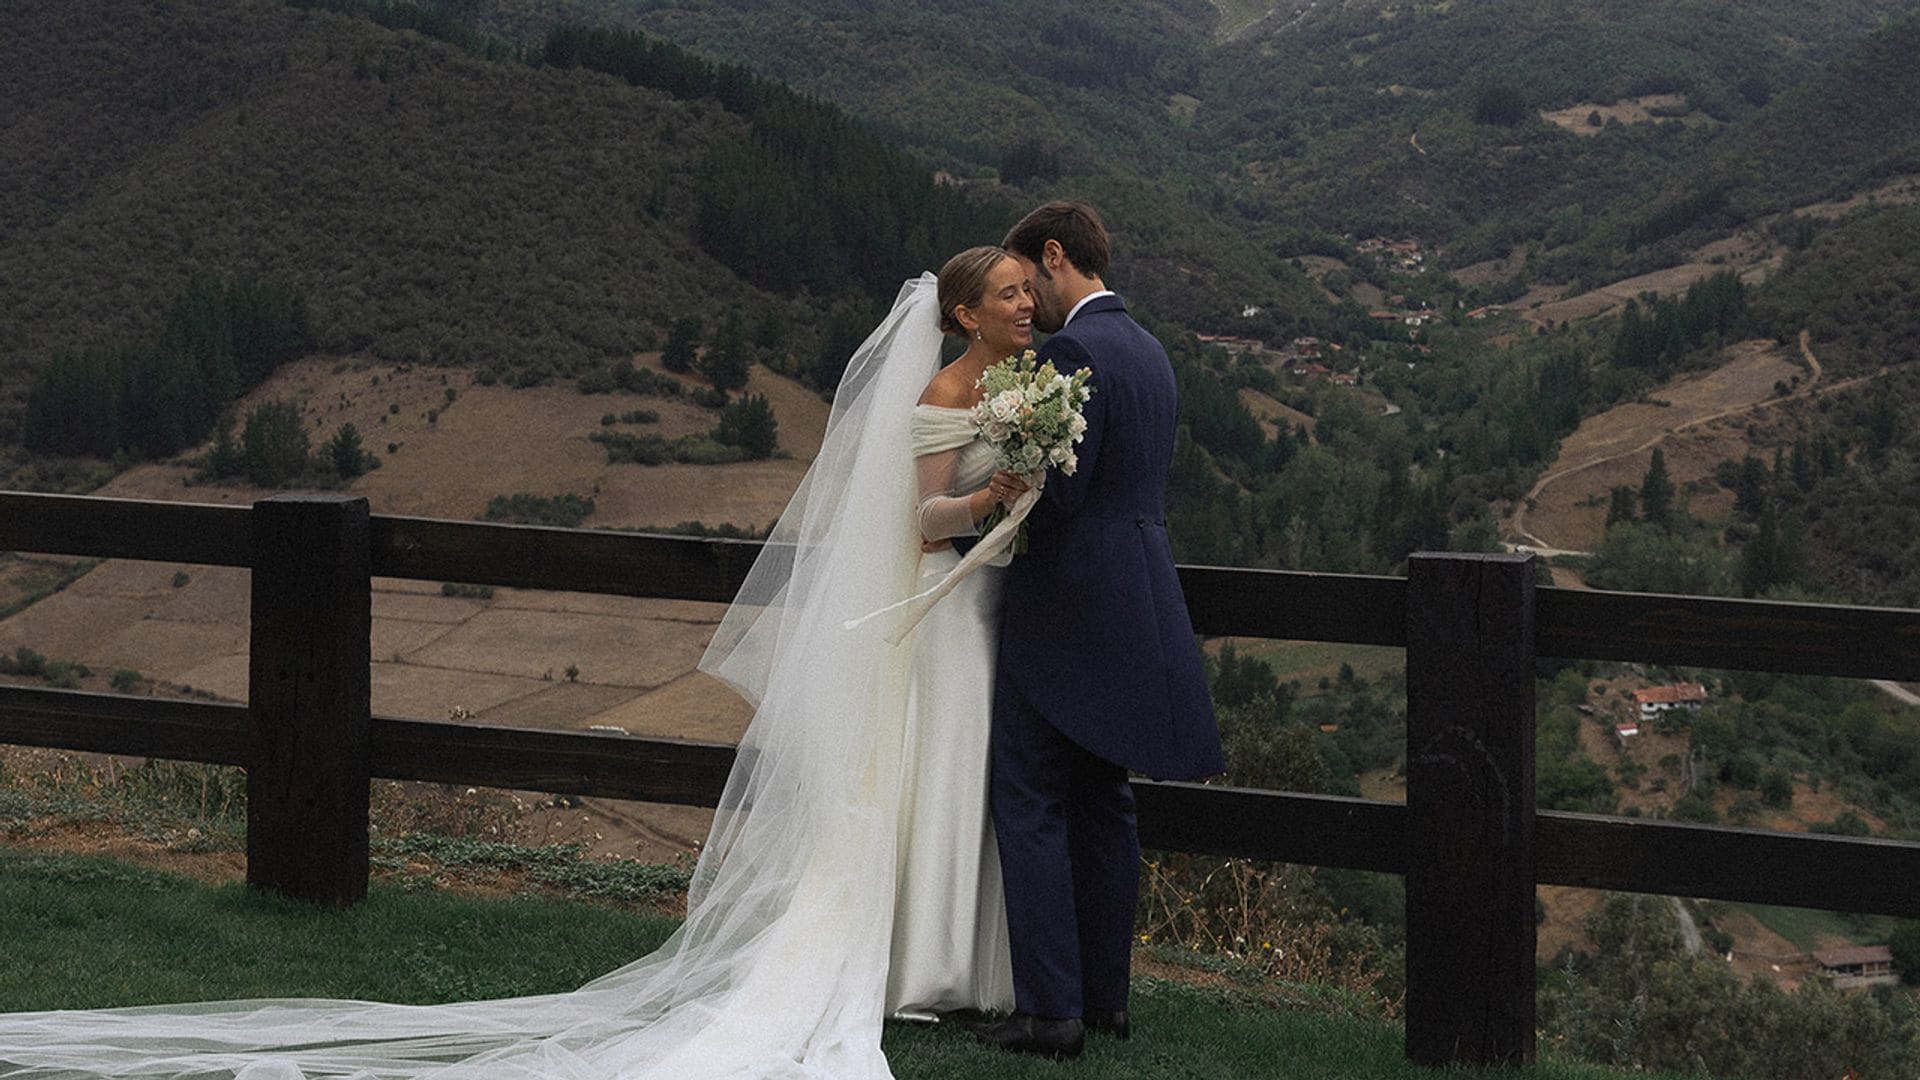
{"points": [[963, 281]]}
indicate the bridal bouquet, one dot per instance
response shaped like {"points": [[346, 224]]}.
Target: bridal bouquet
{"points": [[1031, 416]]}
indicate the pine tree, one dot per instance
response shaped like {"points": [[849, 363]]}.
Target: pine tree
{"points": [[275, 444], [726, 363], [225, 461], [1656, 492], [1750, 491], [1620, 510], [770, 333], [749, 424], [73, 406], [683, 345], [1803, 466], [344, 451]]}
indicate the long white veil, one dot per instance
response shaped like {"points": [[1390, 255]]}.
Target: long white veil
{"points": [[779, 971]]}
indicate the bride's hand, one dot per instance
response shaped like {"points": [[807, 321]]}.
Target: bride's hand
{"points": [[1007, 487]]}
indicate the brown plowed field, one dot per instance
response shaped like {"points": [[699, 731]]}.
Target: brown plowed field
{"points": [[1697, 420], [500, 660]]}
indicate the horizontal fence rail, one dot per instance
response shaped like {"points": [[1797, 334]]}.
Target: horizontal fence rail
{"points": [[1472, 626], [1585, 850], [1571, 624]]}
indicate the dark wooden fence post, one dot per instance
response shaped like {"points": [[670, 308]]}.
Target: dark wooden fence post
{"points": [[1470, 819], [309, 698]]}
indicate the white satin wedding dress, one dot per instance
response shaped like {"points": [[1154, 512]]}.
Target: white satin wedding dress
{"points": [[848, 873]]}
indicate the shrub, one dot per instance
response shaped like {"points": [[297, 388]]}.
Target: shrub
{"points": [[597, 381], [274, 444], [125, 679], [345, 453], [705, 450], [65, 674], [623, 448], [566, 511], [25, 662], [749, 425], [637, 380]]}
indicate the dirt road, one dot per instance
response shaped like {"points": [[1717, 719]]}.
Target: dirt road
{"points": [[1743, 385]]}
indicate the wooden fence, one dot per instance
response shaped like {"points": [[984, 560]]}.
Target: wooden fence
{"points": [[1468, 839]]}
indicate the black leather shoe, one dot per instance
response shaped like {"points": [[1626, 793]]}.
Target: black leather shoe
{"points": [[1020, 1033], [1108, 1023]]}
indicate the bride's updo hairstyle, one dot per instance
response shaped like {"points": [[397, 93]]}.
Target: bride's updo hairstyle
{"points": [[963, 281]]}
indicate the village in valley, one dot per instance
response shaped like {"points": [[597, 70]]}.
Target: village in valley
{"points": [[1399, 326]]}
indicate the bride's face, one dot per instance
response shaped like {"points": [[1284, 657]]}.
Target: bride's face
{"points": [[1004, 315]]}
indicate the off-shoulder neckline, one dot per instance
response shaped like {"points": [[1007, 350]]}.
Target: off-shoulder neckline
{"points": [[943, 408]]}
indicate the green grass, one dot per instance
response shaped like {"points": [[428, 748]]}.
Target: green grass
{"points": [[88, 932], [1809, 929], [1190, 1031], [1308, 661]]}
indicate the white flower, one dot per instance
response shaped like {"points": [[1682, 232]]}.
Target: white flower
{"points": [[1005, 405]]}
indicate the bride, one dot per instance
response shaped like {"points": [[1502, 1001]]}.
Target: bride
{"points": [[850, 873]]}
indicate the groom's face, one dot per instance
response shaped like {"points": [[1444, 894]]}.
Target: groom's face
{"points": [[1049, 314]]}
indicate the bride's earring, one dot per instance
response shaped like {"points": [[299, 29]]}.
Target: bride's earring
{"points": [[977, 335]]}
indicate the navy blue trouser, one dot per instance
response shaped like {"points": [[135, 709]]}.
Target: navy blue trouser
{"points": [[1070, 861]]}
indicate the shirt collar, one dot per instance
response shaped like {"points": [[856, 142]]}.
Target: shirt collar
{"points": [[1083, 303]]}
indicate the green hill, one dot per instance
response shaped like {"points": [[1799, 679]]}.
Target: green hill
{"points": [[1040, 97], [1301, 126], [430, 204], [1854, 123], [497, 210]]}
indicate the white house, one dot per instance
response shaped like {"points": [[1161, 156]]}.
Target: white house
{"points": [[1655, 700]]}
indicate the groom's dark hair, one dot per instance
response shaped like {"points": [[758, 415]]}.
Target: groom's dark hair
{"points": [[1077, 227]]}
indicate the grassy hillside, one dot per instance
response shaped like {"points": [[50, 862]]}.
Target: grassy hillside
{"points": [[181, 940], [1852, 123], [1855, 288], [430, 204], [1043, 98], [1331, 108], [1303, 124]]}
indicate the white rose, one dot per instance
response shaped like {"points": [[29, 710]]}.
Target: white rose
{"points": [[1076, 426], [1005, 405]]}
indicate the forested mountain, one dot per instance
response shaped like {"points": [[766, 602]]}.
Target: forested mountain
{"points": [[458, 201], [1339, 117], [536, 185], [430, 203]]}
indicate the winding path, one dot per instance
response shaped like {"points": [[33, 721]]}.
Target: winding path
{"points": [[1897, 692], [1689, 930], [1517, 524]]}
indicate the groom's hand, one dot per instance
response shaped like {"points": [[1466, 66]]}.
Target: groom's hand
{"points": [[930, 546]]}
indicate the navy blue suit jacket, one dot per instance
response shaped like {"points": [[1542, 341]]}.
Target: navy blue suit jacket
{"points": [[1096, 634]]}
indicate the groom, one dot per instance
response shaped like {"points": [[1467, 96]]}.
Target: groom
{"points": [[1098, 670]]}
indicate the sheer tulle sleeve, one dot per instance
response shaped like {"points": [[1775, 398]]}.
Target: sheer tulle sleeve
{"points": [[944, 513]]}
